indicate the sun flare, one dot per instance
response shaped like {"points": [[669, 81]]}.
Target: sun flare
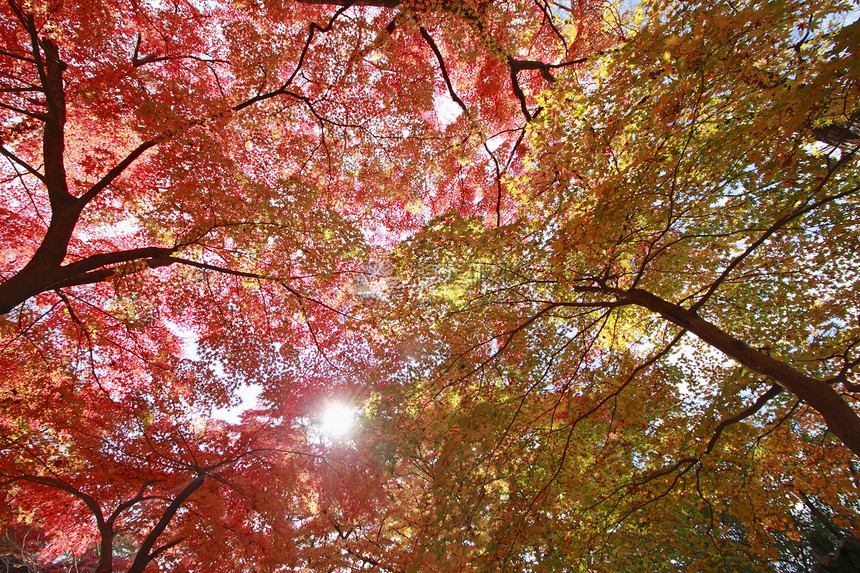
{"points": [[337, 420]]}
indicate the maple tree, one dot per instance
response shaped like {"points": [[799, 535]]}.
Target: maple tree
{"points": [[646, 368], [244, 175], [200, 480], [653, 365], [210, 171]]}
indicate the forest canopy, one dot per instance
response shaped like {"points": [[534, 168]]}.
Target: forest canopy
{"points": [[437, 285]]}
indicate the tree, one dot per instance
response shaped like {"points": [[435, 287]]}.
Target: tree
{"points": [[676, 190], [136, 493], [243, 174], [210, 171]]}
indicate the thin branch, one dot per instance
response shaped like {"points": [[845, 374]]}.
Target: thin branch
{"points": [[131, 502], [117, 170], [33, 114], [774, 391], [22, 163], [429, 39], [17, 57], [777, 225], [313, 27], [165, 547]]}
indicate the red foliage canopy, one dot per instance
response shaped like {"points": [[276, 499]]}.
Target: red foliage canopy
{"points": [[222, 173]]}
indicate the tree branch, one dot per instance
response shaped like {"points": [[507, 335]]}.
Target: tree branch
{"points": [[429, 39], [518, 91], [313, 27], [22, 163], [841, 419], [131, 502], [81, 272], [777, 225], [144, 554], [117, 170], [57, 484], [774, 390], [165, 547], [34, 115]]}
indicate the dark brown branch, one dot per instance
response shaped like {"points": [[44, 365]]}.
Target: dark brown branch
{"points": [[106, 532], [137, 61], [498, 184], [80, 272], [131, 502], [19, 90], [636, 371], [543, 68], [774, 390], [165, 259], [847, 366], [313, 27], [662, 472], [429, 39], [134, 56], [282, 89], [17, 56], [102, 275], [836, 135], [548, 18], [117, 170], [145, 554], [825, 521], [34, 279], [54, 136], [518, 91], [840, 418], [510, 334], [57, 484], [22, 163], [515, 66], [28, 113], [313, 333], [165, 547], [777, 225]]}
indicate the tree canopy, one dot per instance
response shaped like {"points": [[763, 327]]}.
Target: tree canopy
{"points": [[587, 272]]}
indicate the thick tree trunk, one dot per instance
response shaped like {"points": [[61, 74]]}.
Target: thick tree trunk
{"points": [[44, 268], [34, 278], [28, 282], [840, 418], [105, 564]]}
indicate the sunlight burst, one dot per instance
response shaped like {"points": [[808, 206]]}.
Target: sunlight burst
{"points": [[337, 420]]}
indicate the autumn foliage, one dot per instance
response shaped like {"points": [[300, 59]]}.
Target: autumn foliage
{"points": [[587, 271]]}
